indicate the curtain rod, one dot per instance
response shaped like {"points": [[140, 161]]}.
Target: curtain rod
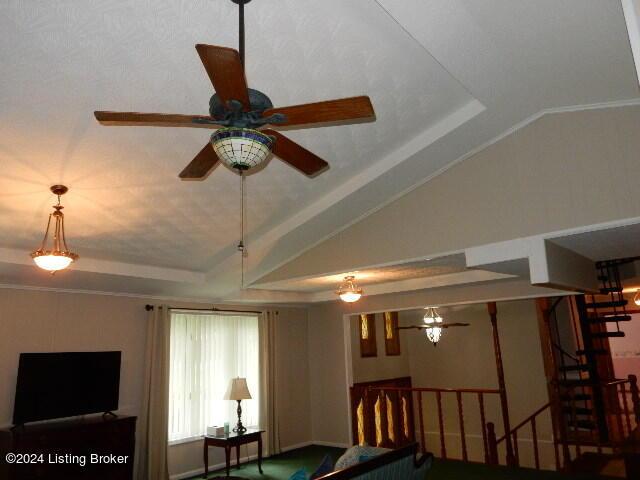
{"points": [[149, 307]]}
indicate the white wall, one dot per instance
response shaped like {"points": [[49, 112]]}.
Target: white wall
{"points": [[40, 321]]}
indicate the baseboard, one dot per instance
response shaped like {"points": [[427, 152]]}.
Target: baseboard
{"points": [[288, 448], [330, 444], [296, 446]]}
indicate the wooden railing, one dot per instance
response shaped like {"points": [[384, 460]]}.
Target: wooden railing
{"points": [[530, 421], [384, 420], [623, 408], [374, 393]]}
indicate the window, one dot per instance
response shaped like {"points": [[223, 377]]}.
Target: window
{"points": [[367, 331], [207, 351]]}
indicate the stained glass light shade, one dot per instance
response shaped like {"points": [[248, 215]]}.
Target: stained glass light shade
{"points": [[432, 319], [241, 148]]}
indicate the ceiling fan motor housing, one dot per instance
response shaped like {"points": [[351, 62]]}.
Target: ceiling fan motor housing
{"points": [[259, 103]]}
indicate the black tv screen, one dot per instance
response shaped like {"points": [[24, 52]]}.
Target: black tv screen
{"points": [[57, 385]]}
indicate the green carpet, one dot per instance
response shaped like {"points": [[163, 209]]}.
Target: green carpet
{"points": [[281, 467]]}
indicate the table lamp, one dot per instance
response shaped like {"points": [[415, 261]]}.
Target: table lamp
{"points": [[238, 391]]}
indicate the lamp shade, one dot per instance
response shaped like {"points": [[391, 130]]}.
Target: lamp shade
{"points": [[238, 390]]}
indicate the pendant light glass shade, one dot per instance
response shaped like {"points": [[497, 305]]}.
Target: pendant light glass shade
{"points": [[432, 318], [58, 257], [349, 291], [241, 148]]}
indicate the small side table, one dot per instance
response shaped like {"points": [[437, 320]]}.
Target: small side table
{"points": [[228, 442]]}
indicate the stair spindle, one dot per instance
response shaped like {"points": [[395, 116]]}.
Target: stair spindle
{"points": [[443, 446], [461, 421], [534, 435]]}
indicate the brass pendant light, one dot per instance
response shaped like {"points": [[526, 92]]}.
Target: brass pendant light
{"points": [[58, 257]]}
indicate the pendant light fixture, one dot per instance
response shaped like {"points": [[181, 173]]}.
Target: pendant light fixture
{"points": [[58, 257], [433, 325], [431, 320], [348, 290]]}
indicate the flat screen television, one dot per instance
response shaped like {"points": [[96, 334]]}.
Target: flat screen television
{"points": [[58, 385]]}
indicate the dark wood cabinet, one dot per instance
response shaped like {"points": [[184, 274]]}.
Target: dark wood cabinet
{"points": [[93, 448]]}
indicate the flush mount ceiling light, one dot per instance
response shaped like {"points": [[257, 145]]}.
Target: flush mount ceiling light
{"points": [[348, 290], [58, 257]]}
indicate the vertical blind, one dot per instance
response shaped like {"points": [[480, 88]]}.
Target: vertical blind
{"points": [[207, 351]]}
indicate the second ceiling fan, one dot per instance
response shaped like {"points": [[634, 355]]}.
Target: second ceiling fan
{"points": [[245, 119]]}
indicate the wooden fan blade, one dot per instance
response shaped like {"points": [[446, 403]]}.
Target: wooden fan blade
{"points": [[201, 165], [343, 110], [296, 155], [439, 325], [224, 67], [154, 120]]}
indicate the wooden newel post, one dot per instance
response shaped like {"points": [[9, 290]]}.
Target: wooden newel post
{"points": [[492, 454], [493, 313], [635, 396]]}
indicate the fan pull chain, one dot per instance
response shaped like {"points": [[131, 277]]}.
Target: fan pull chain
{"points": [[241, 246]]}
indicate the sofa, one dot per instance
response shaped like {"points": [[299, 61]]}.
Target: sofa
{"points": [[402, 464]]}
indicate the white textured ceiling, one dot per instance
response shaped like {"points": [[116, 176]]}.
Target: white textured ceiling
{"points": [[61, 61], [444, 76]]}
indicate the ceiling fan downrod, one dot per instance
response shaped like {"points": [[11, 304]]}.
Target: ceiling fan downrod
{"points": [[241, 4]]}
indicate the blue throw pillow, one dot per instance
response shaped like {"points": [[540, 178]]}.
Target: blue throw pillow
{"points": [[364, 458], [299, 475], [326, 466]]}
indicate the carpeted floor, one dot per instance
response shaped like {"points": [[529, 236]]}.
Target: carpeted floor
{"points": [[281, 467]]}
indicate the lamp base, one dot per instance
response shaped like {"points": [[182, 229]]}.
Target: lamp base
{"points": [[240, 429]]}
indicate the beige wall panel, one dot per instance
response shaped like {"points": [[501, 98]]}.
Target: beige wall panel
{"points": [[563, 171]]}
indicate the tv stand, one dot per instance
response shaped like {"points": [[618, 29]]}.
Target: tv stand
{"points": [[108, 436]]}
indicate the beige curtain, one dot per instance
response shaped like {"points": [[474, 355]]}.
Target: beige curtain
{"points": [[268, 383], [153, 424]]}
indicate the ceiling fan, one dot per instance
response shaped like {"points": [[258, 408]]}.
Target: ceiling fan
{"points": [[433, 325], [245, 119]]}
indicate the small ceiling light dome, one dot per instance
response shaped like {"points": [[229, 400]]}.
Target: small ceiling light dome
{"points": [[58, 257], [431, 319], [349, 291], [241, 148]]}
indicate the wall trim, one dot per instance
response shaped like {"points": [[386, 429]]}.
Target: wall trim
{"points": [[330, 444], [200, 301]]}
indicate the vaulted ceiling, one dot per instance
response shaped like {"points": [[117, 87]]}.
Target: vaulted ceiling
{"points": [[444, 76]]}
